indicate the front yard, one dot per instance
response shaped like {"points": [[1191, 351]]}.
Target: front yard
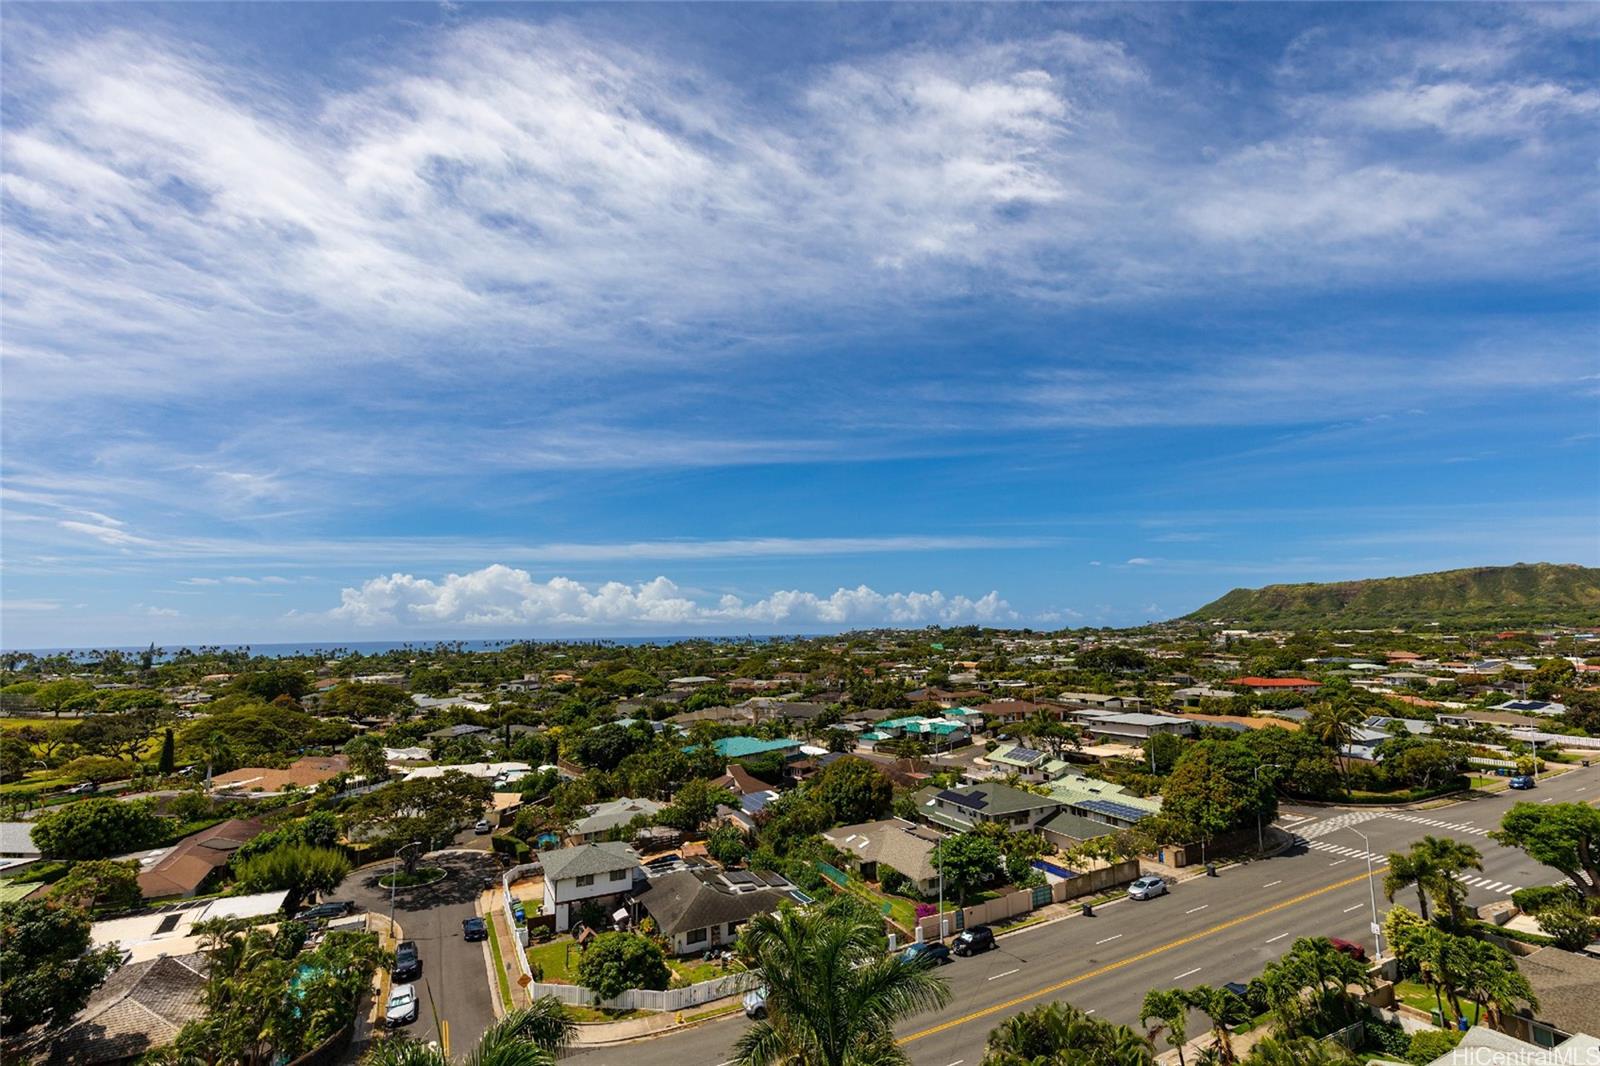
{"points": [[557, 960]]}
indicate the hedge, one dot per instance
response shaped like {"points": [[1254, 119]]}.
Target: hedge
{"points": [[514, 849]]}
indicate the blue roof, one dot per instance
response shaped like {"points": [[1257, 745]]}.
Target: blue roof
{"points": [[740, 747]]}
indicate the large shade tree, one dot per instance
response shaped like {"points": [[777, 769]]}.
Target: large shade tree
{"points": [[1564, 836]]}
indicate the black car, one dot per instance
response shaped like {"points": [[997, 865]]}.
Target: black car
{"points": [[973, 941], [934, 954], [474, 929], [333, 908], [407, 963]]}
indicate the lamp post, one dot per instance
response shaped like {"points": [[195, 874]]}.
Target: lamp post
{"points": [[1372, 891], [394, 878], [1261, 842]]}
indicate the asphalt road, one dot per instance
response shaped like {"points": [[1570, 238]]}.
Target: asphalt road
{"points": [[454, 986], [1206, 931]]}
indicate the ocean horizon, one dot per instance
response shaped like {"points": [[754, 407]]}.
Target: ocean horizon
{"points": [[381, 647]]}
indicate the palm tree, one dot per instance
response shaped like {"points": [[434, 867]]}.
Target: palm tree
{"points": [[1334, 726], [833, 997], [1222, 1008], [1171, 1010], [1059, 1032], [531, 1036], [1449, 858], [1300, 1051], [1408, 868], [1312, 965], [1494, 983]]}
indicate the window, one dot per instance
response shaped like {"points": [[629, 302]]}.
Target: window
{"points": [[697, 936], [585, 880], [619, 875], [733, 927]]}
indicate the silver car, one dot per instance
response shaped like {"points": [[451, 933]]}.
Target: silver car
{"points": [[1148, 887], [402, 1008]]}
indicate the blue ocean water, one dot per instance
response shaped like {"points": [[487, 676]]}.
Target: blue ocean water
{"points": [[340, 649]]}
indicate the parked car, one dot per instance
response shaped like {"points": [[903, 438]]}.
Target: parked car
{"points": [[333, 908], [935, 953], [482, 827], [402, 1009], [1349, 947], [1148, 887], [84, 788], [755, 1003], [407, 962], [973, 941], [1522, 781], [474, 929]]}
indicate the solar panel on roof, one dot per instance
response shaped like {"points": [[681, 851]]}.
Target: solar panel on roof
{"points": [[1115, 809], [976, 801], [1026, 756], [738, 877]]}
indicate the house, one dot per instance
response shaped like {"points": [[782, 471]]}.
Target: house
{"points": [[1102, 801], [964, 808], [306, 772], [1276, 684], [1130, 726], [938, 732], [1191, 696], [440, 703], [894, 843], [499, 772], [17, 849], [1544, 708], [1565, 984], [1004, 711], [1482, 1044], [741, 782], [395, 755], [602, 873], [170, 929], [1066, 830], [1104, 701], [460, 729], [1031, 764], [699, 909], [195, 858], [141, 1007], [693, 681], [602, 818], [746, 747]]}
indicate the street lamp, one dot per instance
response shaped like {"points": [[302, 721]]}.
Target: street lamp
{"points": [[394, 878], [1372, 891], [1261, 843]]}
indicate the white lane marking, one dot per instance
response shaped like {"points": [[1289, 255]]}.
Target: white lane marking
{"points": [[1357, 907], [1336, 862], [1202, 907], [996, 977], [958, 1062], [1269, 884], [1108, 939], [1091, 1010], [1273, 939], [1187, 973]]}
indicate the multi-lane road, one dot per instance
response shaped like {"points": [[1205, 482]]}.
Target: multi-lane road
{"points": [[1207, 930]]}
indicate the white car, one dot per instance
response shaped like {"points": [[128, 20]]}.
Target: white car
{"points": [[755, 1003], [402, 1009], [1148, 887]]}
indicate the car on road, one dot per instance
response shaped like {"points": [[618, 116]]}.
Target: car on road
{"points": [[333, 908], [407, 962], [1522, 781], [973, 941], [1148, 887], [1349, 947], [402, 1008], [936, 954], [482, 827], [83, 789], [755, 1003], [474, 928]]}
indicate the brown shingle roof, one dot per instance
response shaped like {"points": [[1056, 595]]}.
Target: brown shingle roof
{"points": [[140, 1007], [187, 866]]}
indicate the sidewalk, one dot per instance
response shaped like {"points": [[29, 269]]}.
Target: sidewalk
{"points": [[490, 908], [600, 1034]]}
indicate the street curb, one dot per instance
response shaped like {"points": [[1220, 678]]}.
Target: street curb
{"points": [[676, 1027]]}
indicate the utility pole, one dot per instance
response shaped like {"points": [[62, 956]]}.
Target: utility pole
{"points": [[1261, 844], [1372, 891]]}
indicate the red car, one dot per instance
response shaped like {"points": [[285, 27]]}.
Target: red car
{"points": [[1349, 947]]}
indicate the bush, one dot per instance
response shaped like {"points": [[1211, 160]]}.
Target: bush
{"points": [[1387, 1038], [516, 850], [1535, 899], [1430, 1044], [98, 829], [894, 882], [1571, 926]]}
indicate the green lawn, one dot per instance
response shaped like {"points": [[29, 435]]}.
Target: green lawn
{"points": [[554, 958], [499, 964], [1417, 995], [692, 971]]}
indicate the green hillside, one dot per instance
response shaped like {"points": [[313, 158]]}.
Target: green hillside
{"points": [[1486, 596]]}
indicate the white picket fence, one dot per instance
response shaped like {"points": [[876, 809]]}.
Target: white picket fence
{"points": [[516, 873], [670, 999]]}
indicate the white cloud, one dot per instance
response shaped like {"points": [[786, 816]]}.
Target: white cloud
{"points": [[1139, 561], [502, 595], [161, 612]]}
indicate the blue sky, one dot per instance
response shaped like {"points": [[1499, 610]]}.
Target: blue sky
{"points": [[365, 322]]}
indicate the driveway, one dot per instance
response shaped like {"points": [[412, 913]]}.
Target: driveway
{"points": [[454, 987]]}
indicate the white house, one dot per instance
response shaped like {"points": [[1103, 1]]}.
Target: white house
{"points": [[574, 876]]}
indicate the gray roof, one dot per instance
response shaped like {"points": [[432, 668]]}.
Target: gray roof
{"points": [[990, 798], [614, 813], [140, 1007], [892, 841], [16, 838], [687, 899], [1075, 826], [1565, 982], [587, 859]]}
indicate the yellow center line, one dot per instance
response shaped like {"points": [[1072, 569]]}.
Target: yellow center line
{"points": [[1130, 960]]}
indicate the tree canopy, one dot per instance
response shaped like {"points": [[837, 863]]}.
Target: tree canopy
{"points": [[98, 829], [48, 968]]}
